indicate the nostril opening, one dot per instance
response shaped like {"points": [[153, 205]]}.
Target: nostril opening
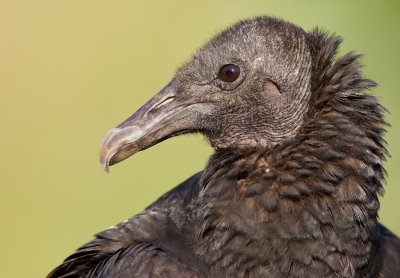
{"points": [[161, 103], [164, 102]]}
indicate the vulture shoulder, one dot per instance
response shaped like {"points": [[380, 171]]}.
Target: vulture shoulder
{"points": [[149, 244], [388, 254]]}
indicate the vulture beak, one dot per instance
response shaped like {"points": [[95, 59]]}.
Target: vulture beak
{"points": [[162, 117]]}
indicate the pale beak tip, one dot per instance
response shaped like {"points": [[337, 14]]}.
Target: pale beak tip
{"points": [[105, 165]]}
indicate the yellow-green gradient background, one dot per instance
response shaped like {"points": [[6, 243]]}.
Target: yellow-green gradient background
{"points": [[70, 70]]}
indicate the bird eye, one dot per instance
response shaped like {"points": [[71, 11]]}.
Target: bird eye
{"points": [[229, 73]]}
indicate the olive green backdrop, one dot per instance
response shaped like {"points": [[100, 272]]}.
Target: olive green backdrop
{"points": [[70, 70]]}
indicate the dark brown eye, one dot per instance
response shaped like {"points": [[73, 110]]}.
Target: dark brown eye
{"points": [[229, 73]]}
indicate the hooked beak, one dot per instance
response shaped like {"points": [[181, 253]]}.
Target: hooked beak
{"points": [[162, 117]]}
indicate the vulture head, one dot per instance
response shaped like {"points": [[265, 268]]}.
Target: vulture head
{"points": [[249, 87]]}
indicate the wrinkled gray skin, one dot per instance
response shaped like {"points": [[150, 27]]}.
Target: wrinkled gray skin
{"points": [[292, 188], [261, 108]]}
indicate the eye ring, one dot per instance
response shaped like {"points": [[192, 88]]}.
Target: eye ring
{"points": [[229, 73]]}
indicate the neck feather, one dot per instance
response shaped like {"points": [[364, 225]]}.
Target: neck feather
{"points": [[318, 191]]}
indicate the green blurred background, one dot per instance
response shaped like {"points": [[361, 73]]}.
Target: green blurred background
{"points": [[70, 70]]}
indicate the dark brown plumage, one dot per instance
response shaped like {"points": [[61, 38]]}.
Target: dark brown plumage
{"points": [[292, 188]]}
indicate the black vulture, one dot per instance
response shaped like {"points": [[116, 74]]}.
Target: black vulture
{"points": [[292, 187]]}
